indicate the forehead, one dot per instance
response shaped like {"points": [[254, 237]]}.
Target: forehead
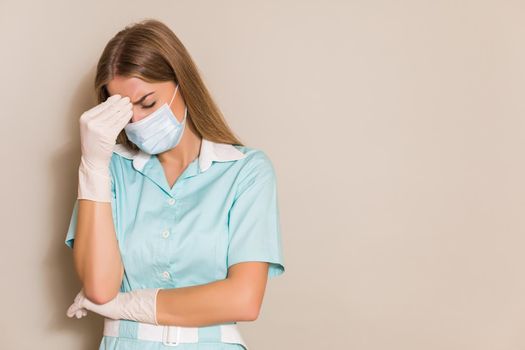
{"points": [[127, 86]]}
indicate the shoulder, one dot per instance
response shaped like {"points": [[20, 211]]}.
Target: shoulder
{"points": [[255, 159], [256, 166], [121, 161]]}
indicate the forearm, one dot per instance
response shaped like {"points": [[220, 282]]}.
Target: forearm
{"points": [[216, 302], [96, 253]]}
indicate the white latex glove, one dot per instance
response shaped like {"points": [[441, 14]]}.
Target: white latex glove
{"points": [[137, 305], [99, 128]]}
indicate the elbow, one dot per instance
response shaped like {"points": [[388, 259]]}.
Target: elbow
{"points": [[251, 310], [98, 289], [98, 296], [248, 301], [99, 293], [252, 313]]}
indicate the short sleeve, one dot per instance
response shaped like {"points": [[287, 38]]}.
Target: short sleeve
{"points": [[70, 235], [253, 224]]}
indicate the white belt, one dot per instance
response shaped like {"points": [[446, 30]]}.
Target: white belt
{"points": [[173, 335]]}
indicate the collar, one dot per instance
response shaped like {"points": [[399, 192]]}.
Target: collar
{"points": [[209, 152]]}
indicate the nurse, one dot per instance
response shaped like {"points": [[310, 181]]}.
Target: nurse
{"points": [[175, 229]]}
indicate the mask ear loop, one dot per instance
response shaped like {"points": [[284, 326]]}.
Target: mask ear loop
{"points": [[174, 94]]}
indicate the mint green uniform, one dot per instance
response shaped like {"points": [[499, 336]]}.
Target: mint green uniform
{"points": [[222, 210]]}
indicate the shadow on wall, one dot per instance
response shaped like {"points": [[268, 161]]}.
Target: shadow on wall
{"points": [[60, 280]]}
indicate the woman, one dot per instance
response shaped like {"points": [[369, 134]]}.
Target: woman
{"points": [[175, 229]]}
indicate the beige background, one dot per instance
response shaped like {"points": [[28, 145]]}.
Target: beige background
{"points": [[397, 132]]}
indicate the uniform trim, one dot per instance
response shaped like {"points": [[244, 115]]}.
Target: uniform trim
{"points": [[209, 152]]}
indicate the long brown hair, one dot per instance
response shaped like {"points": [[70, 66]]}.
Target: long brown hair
{"points": [[149, 50]]}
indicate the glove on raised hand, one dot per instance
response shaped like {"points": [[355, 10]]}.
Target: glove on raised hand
{"points": [[99, 128]]}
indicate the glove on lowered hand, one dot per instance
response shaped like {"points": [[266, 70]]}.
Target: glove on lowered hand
{"points": [[137, 305]]}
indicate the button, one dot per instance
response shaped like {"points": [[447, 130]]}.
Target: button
{"points": [[171, 201], [166, 275], [165, 233]]}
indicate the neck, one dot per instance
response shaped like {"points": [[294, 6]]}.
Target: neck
{"points": [[186, 151]]}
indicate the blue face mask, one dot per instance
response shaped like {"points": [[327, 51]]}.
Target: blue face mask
{"points": [[159, 131]]}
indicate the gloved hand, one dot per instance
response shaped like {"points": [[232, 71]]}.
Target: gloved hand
{"points": [[99, 128], [137, 305]]}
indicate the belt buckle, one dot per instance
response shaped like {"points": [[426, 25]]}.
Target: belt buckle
{"points": [[165, 335]]}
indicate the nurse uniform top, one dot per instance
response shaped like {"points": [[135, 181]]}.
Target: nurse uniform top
{"points": [[222, 210]]}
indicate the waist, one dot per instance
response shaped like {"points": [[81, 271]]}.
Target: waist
{"points": [[173, 335]]}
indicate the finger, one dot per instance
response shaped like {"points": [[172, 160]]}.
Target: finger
{"points": [[78, 297], [117, 121], [114, 97], [103, 106], [116, 113], [121, 120], [113, 112], [71, 311], [115, 103], [80, 313], [99, 110], [77, 303], [122, 103]]}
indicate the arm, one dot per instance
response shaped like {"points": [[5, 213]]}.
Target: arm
{"points": [[95, 252], [238, 297], [254, 242]]}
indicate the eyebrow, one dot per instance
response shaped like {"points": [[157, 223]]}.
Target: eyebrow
{"points": [[143, 98]]}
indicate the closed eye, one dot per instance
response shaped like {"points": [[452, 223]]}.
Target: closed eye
{"points": [[149, 106]]}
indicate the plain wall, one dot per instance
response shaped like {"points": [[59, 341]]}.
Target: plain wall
{"points": [[397, 132]]}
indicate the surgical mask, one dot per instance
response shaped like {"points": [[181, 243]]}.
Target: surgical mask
{"points": [[159, 131]]}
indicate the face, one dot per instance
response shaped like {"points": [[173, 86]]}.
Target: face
{"points": [[145, 97]]}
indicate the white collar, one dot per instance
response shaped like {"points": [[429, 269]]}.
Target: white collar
{"points": [[210, 151]]}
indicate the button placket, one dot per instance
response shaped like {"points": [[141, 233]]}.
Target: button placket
{"points": [[172, 210]]}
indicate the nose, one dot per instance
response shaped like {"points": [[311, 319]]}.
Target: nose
{"points": [[136, 114]]}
